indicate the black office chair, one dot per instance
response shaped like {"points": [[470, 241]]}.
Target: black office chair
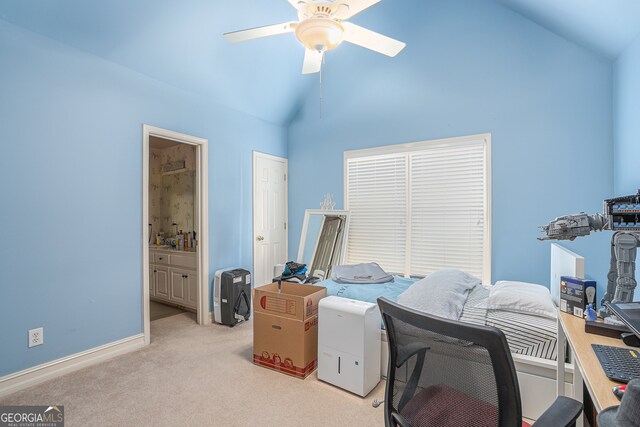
{"points": [[445, 373]]}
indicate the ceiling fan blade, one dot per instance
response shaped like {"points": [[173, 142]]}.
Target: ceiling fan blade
{"points": [[312, 61], [355, 7], [256, 33], [294, 3], [371, 40]]}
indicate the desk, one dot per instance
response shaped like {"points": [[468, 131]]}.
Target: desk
{"points": [[588, 372]]}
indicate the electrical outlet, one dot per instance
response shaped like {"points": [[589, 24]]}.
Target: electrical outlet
{"points": [[36, 337]]}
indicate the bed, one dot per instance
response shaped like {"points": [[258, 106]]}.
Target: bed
{"points": [[526, 334], [532, 339]]}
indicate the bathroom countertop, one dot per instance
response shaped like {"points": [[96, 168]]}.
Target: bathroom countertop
{"points": [[169, 249]]}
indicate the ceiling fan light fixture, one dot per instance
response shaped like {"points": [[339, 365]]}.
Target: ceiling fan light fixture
{"points": [[320, 34], [322, 26]]}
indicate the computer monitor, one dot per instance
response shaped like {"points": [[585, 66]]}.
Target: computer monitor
{"points": [[629, 313], [563, 263]]}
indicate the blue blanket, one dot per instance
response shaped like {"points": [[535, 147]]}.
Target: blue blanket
{"points": [[369, 292]]}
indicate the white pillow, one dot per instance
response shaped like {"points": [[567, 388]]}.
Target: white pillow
{"points": [[442, 293], [521, 297]]}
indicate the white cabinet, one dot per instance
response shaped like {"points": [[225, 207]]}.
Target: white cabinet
{"points": [[152, 281], [192, 289], [184, 287], [173, 277], [160, 258], [185, 261], [178, 288], [162, 282]]}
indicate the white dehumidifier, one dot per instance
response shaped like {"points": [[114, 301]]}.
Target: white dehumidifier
{"points": [[349, 344]]}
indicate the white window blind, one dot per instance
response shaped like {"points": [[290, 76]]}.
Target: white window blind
{"points": [[447, 209], [377, 188], [417, 208]]}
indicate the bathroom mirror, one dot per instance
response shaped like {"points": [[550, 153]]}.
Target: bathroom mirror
{"points": [[177, 201], [323, 241]]}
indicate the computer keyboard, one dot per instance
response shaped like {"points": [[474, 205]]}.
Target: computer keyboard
{"points": [[619, 364]]}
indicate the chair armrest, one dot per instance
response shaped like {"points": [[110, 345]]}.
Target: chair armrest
{"points": [[399, 420], [563, 413]]}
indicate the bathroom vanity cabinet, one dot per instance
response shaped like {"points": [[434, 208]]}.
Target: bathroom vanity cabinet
{"points": [[173, 277]]}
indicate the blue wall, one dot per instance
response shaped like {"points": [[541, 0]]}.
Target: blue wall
{"points": [[70, 181], [627, 120], [472, 67], [626, 125]]}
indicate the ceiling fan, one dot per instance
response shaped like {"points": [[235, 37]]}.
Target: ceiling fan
{"points": [[322, 27]]}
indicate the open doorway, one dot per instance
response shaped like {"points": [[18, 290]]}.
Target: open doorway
{"points": [[175, 237]]}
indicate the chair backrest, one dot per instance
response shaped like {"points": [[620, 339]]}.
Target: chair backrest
{"points": [[447, 373]]}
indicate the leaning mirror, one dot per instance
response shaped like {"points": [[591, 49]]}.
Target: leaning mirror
{"points": [[323, 241]]}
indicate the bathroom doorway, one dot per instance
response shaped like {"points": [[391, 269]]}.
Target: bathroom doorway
{"points": [[175, 216]]}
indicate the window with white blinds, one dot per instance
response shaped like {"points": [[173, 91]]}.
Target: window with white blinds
{"points": [[377, 189], [416, 208]]}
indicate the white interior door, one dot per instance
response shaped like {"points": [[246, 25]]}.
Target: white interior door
{"points": [[269, 215]]}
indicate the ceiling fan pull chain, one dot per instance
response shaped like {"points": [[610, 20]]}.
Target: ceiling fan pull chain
{"points": [[321, 88]]}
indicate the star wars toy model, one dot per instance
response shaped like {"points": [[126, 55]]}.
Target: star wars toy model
{"points": [[621, 215]]}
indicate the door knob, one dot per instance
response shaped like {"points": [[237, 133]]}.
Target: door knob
{"points": [[260, 238]]}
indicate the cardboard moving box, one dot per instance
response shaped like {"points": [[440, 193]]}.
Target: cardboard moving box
{"points": [[285, 327]]}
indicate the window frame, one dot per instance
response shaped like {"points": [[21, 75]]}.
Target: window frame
{"points": [[406, 148]]}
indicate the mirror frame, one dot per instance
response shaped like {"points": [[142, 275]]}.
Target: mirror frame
{"points": [[305, 227]]}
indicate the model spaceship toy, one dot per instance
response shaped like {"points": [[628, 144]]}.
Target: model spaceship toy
{"points": [[622, 215]]}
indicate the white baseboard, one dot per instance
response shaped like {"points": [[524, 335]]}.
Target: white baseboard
{"points": [[32, 376]]}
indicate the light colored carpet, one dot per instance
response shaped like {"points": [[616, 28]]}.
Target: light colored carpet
{"points": [[158, 310], [192, 375]]}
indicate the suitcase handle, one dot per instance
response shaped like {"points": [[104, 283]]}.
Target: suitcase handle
{"points": [[237, 307]]}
